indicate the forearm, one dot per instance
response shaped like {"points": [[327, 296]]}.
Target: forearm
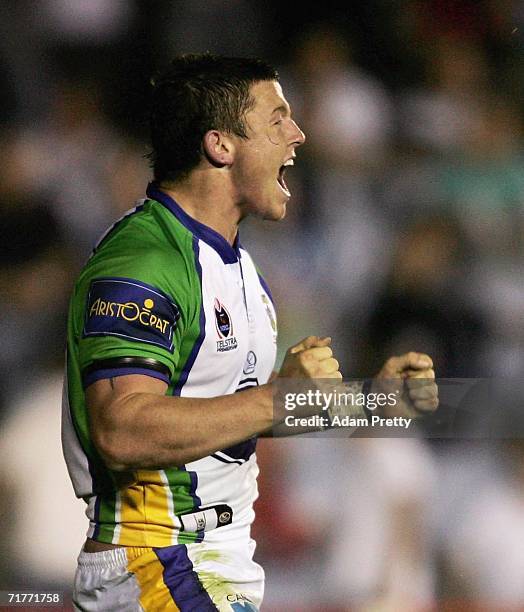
{"points": [[135, 425], [148, 431]]}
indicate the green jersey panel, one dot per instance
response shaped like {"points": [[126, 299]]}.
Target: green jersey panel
{"points": [[166, 296], [144, 262]]}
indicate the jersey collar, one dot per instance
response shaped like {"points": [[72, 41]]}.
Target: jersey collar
{"points": [[229, 253]]}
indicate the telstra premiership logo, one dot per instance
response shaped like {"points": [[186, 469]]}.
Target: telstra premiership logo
{"points": [[224, 327]]}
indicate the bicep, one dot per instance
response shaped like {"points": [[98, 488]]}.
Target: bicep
{"points": [[105, 397]]}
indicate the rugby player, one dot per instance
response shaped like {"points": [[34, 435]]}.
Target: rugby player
{"points": [[168, 320]]}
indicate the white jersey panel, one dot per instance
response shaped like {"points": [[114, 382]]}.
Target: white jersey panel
{"points": [[237, 352], [240, 328]]}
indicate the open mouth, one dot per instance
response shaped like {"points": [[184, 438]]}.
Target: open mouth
{"points": [[281, 181]]}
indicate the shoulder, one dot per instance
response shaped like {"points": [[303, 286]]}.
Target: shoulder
{"points": [[147, 241], [142, 254], [145, 234]]}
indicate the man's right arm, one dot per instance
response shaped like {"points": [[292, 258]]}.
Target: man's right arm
{"points": [[134, 425]]}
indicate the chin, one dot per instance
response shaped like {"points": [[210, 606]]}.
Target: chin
{"points": [[272, 207], [276, 213], [280, 207], [283, 212]]}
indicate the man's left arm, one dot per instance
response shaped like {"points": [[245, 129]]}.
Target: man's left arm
{"points": [[410, 378]]}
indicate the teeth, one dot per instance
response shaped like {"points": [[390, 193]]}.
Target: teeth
{"points": [[284, 189], [290, 162]]}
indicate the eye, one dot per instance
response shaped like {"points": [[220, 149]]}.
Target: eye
{"points": [[278, 122]]}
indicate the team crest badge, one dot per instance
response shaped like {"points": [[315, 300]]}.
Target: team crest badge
{"points": [[222, 320], [251, 362], [271, 315], [224, 327]]}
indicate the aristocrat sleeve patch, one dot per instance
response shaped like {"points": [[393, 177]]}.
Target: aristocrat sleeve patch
{"points": [[130, 309]]}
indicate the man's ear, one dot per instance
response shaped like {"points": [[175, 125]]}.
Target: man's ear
{"points": [[218, 148]]}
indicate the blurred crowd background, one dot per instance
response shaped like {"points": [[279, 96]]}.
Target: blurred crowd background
{"points": [[405, 232]]}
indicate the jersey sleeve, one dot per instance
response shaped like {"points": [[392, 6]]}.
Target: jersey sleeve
{"points": [[132, 310]]}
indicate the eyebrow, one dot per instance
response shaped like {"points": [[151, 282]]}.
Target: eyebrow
{"points": [[283, 108]]}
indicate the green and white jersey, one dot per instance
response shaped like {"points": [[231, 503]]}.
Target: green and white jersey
{"points": [[165, 296]]}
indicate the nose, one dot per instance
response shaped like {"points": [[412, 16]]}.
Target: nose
{"points": [[298, 136]]}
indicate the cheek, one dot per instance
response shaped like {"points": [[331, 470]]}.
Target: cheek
{"points": [[252, 176], [273, 135], [257, 172], [260, 167]]}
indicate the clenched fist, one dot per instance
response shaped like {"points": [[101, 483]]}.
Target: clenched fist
{"points": [[413, 378], [310, 358]]}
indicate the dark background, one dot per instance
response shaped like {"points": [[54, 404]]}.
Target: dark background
{"points": [[405, 232]]}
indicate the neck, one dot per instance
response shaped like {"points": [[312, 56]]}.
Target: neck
{"points": [[208, 200]]}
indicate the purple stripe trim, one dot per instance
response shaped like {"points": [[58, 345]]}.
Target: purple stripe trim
{"points": [[229, 254], [265, 287], [92, 377], [192, 490], [197, 502], [182, 581], [226, 460], [202, 323]]}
